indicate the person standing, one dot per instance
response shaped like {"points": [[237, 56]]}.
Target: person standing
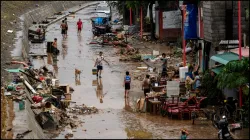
{"points": [[79, 26], [39, 32], [63, 27], [66, 32], [146, 85], [98, 63], [55, 50], [164, 65], [127, 82]]}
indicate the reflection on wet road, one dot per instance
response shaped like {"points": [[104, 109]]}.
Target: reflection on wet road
{"points": [[116, 118]]}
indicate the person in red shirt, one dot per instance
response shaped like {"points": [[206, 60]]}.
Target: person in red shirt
{"points": [[79, 27]]}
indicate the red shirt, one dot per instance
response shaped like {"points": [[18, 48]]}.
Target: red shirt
{"points": [[79, 24]]}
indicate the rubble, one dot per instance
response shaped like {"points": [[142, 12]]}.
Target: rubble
{"points": [[82, 109], [49, 100]]}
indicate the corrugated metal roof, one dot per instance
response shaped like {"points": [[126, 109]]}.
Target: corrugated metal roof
{"points": [[225, 57]]}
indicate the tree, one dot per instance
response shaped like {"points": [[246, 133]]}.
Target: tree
{"points": [[235, 74]]}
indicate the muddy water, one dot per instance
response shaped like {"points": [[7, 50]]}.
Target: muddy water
{"points": [[117, 117]]}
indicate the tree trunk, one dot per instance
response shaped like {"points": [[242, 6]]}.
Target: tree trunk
{"points": [[151, 21]]}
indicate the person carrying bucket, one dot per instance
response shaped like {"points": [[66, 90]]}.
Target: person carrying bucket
{"points": [[98, 63]]}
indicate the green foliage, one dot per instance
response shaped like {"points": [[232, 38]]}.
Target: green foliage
{"points": [[209, 88], [133, 4], [235, 74]]}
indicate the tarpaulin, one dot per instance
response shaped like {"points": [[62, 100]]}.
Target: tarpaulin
{"points": [[190, 23], [98, 20]]}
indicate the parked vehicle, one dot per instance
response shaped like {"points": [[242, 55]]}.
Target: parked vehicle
{"points": [[229, 109], [100, 25], [223, 129]]}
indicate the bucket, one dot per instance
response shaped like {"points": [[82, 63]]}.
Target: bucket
{"points": [[21, 105], [94, 71]]}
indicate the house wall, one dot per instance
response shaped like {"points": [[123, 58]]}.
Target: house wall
{"points": [[214, 22]]}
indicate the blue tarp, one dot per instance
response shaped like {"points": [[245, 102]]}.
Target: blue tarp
{"points": [[98, 20], [190, 24]]}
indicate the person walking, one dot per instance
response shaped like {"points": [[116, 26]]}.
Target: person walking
{"points": [[66, 22], [79, 26], [127, 82], [146, 85], [63, 27], [164, 65], [98, 63], [55, 50]]}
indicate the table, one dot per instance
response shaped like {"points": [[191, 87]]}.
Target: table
{"points": [[154, 106]]}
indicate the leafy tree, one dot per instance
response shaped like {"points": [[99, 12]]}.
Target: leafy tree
{"points": [[235, 74], [209, 89]]}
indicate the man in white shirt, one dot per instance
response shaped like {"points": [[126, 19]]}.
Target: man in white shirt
{"points": [[98, 63]]}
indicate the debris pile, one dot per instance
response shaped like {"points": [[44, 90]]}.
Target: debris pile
{"points": [[48, 99], [82, 109]]}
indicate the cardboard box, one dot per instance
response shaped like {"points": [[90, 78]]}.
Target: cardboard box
{"points": [[65, 88], [67, 96]]}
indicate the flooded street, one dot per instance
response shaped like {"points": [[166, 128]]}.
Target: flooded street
{"points": [[116, 117]]}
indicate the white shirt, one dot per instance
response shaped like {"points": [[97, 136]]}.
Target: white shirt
{"points": [[99, 60]]}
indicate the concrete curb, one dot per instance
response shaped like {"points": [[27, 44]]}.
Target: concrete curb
{"points": [[54, 21]]}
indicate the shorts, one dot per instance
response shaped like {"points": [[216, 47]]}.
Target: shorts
{"points": [[79, 29], [99, 67], [164, 72], [127, 86], [146, 91], [63, 31]]}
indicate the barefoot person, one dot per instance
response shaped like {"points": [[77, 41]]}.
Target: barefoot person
{"points": [[79, 26], [127, 81], [146, 85], [66, 32], [63, 27], [98, 63]]}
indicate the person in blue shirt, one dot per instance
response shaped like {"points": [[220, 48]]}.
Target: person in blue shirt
{"points": [[127, 81]]}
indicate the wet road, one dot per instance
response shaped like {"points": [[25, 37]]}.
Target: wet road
{"points": [[116, 118]]}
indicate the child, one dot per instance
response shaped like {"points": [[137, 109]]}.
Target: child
{"points": [[184, 134], [127, 81]]}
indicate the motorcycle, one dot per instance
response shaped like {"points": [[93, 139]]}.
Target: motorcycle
{"points": [[223, 129]]}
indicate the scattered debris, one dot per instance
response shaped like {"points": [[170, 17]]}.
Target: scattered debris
{"points": [[82, 109], [19, 136], [10, 31]]}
